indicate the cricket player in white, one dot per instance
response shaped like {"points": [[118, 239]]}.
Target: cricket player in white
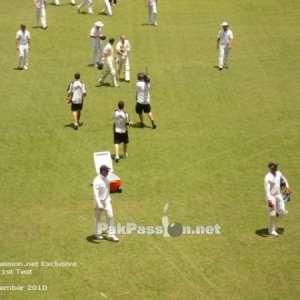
{"points": [[102, 202], [123, 49], [40, 11], [152, 11], [276, 206], [89, 4], [23, 45], [108, 56], [96, 36], [224, 44]]}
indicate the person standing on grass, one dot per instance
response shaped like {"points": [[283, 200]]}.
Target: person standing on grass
{"points": [[102, 203], [276, 207], [121, 120], [97, 37], [123, 49], [23, 45], [76, 93], [142, 88], [40, 10], [152, 11], [224, 44]]}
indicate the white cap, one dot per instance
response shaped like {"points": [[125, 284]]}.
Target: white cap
{"points": [[224, 24], [99, 24]]}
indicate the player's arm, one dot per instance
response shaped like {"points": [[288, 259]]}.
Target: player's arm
{"points": [[83, 91], [29, 43], [230, 42], [98, 192], [218, 42], [268, 194], [17, 43]]}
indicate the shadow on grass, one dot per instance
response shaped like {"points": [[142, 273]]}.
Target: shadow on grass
{"points": [[92, 239], [71, 125], [105, 84], [138, 125], [263, 232]]}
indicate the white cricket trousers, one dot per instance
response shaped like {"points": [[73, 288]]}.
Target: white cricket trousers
{"points": [[23, 56], [223, 55], [110, 70], [109, 219], [41, 17], [276, 211], [89, 3], [97, 53], [152, 14], [121, 62], [107, 7]]}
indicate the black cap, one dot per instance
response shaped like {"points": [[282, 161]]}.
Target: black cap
{"points": [[272, 164], [104, 168]]}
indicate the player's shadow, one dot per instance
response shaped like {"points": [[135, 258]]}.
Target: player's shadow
{"points": [[138, 125], [263, 232], [217, 67], [71, 125], [105, 84], [92, 239]]}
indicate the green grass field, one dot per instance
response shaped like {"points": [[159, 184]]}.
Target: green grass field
{"points": [[215, 133]]}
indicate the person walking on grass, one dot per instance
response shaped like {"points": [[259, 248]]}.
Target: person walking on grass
{"points": [[23, 45], [121, 120], [142, 88], [224, 44], [276, 206], [102, 203], [76, 93]]}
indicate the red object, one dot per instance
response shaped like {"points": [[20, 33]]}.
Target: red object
{"points": [[115, 185], [270, 204]]}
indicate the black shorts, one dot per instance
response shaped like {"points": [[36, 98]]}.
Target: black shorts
{"points": [[75, 107], [140, 108], [121, 138]]}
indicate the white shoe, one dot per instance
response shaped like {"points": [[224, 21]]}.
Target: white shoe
{"points": [[117, 158], [125, 155], [99, 237], [113, 238], [273, 232], [25, 68], [78, 8]]}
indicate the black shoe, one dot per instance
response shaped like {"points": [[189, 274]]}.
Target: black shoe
{"points": [[220, 68], [142, 125], [153, 126]]}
